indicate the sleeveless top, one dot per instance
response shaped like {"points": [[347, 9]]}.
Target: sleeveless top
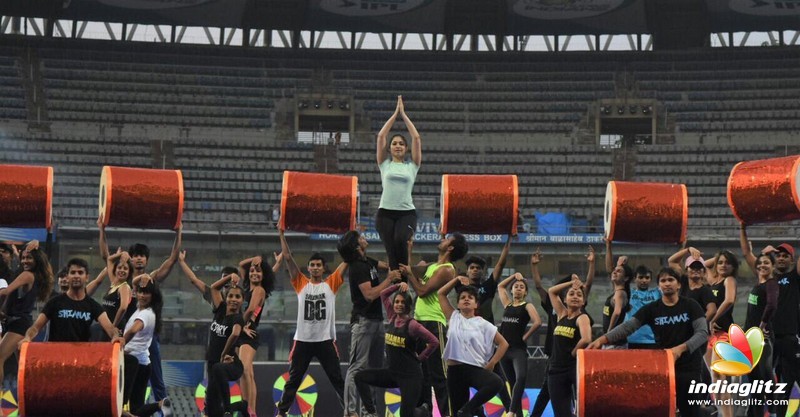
{"points": [[401, 355], [608, 310], [565, 337], [725, 321], [515, 321], [255, 319], [111, 303], [427, 308], [20, 303]]}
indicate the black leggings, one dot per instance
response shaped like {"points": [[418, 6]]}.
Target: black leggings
{"points": [[561, 385], [515, 367], [300, 358], [136, 377], [683, 380], [544, 395], [762, 372], [218, 393], [410, 388], [395, 227], [461, 377]]}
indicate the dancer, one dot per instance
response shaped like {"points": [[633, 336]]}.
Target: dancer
{"points": [[761, 305], [723, 285], [642, 295], [139, 330], [487, 287], [544, 394], [470, 352], [35, 282], [678, 324], [516, 316], [73, 312], [403, 369], [140, 257], [429, 312], [316, 331], [693, 280], [786, 319], [572, 332], [261, 279], [366, 319], [396, 220], [616, 305]]}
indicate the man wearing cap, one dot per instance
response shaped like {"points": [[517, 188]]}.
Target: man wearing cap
{"points": [[786, 320]]}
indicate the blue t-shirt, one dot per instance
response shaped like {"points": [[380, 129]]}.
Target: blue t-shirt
{"points": [[397, 180], [639, 298]]}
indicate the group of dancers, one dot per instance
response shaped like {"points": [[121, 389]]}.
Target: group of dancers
{"points": [[422, 344]]}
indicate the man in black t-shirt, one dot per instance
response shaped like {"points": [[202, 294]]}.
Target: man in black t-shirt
{"points": [[678, 324], [487, 288], [71, 314], [786, 320], [366, 319]]}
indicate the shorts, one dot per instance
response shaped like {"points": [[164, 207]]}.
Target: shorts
{"points": [[246, 340], [717, 337], [17, 324]]}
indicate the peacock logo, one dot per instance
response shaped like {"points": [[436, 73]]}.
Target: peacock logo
{"points": [[741, 354]]}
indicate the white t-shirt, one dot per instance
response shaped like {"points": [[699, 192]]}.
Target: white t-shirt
{"points": [[140, 343], [469, 341], [316, 308]]}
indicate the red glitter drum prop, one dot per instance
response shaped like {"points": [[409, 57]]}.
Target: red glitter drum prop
{"points": [[70, 379], [765, 191], [626, 383], [479, 203], [27, 196], [141, 198], [318, 203], [646, 212]]}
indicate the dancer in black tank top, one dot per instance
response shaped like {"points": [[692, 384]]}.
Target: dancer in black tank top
{"points": [[573, 331], [723, 285], [516, 316], [762, 302], [404, 369]]}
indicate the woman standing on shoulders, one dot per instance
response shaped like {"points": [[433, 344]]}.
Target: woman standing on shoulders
{"points": [[397, 217]]}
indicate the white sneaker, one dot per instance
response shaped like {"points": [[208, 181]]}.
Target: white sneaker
{"points": [[166, 407]]}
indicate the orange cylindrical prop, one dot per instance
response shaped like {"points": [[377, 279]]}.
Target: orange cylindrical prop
{"points": [[141, 198], [765, 191], [70, 379], [626, 383], [646, 212], [318, 203], [479, 203], [26, 193]]}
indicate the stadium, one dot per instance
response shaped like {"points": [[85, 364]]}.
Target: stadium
{"points": [[565, 94]]}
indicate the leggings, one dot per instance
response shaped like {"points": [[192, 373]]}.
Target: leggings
{"points": [[544, 395], [410, 388], [515, 366], [218, 393], [136, 377], [560, 385], [459, 380], [395, 227], [763, 372]]}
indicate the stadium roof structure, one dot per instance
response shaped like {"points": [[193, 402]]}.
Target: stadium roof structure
{"points": [[674, 24]]}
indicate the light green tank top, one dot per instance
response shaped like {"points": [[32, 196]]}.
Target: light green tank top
{"points": [[427, 307]]}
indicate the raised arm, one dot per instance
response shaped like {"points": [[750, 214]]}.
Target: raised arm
{"points": [[371, 293], [216, 288], [163, 271], [447, 308], [278, 262], [102, 241], [747, 248], [502, 291], [386, 298], [537, 277], [441, 277], [416, 141], [674, 261], [187, 271], [380, 154], [590, 269], [288, 259], [609, 257], [553, 292], [501, 260]]}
